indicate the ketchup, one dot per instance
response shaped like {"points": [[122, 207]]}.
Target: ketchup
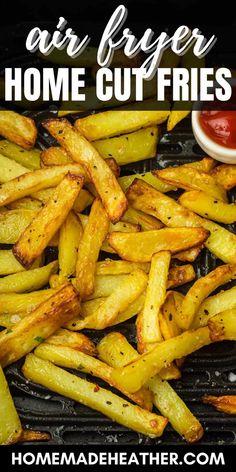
{"points": [[220, 126]]}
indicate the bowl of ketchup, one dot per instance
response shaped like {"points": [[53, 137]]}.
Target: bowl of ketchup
{"points": [[214, 128]]}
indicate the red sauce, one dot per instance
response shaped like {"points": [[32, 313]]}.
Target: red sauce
{"points": [[220, 126]]}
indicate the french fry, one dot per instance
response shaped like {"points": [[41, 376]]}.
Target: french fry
{"points": [[208, 206], [147, 324], [82, 151], [190, 178], [30, 436], [27, 203], [89, 394], [190, 255], [14, 303], [112, 123], [83, 200], [132, 147], [10, 425], [137, 373], [126, 293], [200, 291], [121, 226], [69, 358], [18, 128], [27, 158], [205, 165], [28, 280], [111, 267], [148, 177], [106, 284], [140, 247], [39, 325], [213, 305], [225, 404], [225, 175], [69, 339], [146, 222], [55, 156], [69, 239], [38, 234], [89, 307], [167, 316], [223, 326], [177, 276], [13, 223], [175, 117], [221, 242], [31, 182], [9, 265], [180, 275], [10, 169], [115, 350], [7, 321], [89, 248]]}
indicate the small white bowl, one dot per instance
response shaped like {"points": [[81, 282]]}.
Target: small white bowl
{"points": [[212, 149]]}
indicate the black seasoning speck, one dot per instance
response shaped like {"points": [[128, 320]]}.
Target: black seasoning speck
{"points": [[108, 402]]}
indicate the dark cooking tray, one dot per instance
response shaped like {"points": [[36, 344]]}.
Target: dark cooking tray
{"points": [[209, 371]]}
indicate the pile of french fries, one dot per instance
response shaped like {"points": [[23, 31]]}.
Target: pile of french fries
{"points": [[124, 246]]}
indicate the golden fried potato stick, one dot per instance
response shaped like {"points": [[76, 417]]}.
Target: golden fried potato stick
{"points": [[190, 178], [221, 242], [225, 175], [112, 123], [148, 324], [39, 325], [10, 169], [70, 236], [175, 117], [115, 350], [225, 404], [10, 425], [32, 182], [140, 247], [93, 396], [18, 128], [78, 341], [27, 158], [131, 147], [30, 436], [147, 222], [223, 326], [124, 294], [210, 207], [200, 291], [28, 280], [137, 373], [89, 248], [55, 156], [211, 306], [38, 234], [102, 177], [70, 358]]}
